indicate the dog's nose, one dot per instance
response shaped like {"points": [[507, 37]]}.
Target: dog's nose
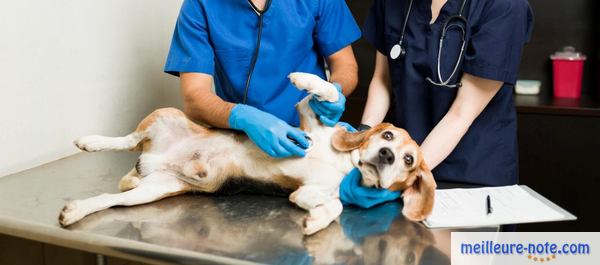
{"points": [[386, 156]]}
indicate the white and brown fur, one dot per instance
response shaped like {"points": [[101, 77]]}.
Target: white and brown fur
{"points": [[180, 156]]}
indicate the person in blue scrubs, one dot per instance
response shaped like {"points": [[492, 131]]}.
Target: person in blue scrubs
{"points": [[465, 123], [248, 48]]}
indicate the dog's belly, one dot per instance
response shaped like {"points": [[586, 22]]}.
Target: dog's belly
{"points": [[228, 162]]}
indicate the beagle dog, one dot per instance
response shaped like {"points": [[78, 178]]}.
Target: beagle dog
{"points": [[180, 156]]}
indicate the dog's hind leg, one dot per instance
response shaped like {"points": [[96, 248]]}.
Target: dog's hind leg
{"points": [[169, 122], [151, 188], [95, 143]]}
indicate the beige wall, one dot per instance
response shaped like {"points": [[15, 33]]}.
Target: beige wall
{"points": [[74, 67]]}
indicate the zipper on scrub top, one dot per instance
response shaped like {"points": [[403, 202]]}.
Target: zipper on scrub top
{"points": [[257, 49]]}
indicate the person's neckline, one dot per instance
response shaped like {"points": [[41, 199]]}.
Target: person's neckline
{"points": [[432, 19], [425, 15], [257, 10]]}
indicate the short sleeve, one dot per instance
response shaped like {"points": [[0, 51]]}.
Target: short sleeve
{"points": [[336, 27], [190, 50], [373, 30], [497, 40]]}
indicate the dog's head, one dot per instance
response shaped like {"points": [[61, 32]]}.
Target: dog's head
{"points": [[389, 158]]}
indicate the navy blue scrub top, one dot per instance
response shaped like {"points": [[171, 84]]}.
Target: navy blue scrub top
{"points": [[218, 37], [496, 33]]}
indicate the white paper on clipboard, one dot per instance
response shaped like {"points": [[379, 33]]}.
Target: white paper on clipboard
{"points": [[511, 205]]}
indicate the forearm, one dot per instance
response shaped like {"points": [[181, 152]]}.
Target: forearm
{"points": [[201, 104], [442, 140], [378, 103], [471, 100], [344, 70], [378, 99]]}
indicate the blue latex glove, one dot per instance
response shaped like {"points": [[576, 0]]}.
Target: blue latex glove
{"points": [[272, 135], [352, 193], [347, 126], [329, 113]]}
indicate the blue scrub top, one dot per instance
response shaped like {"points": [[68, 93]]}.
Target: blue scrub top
{"points": [[218, 37], [496, 33]]}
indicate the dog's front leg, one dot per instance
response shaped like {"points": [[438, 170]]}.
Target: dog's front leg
{"points": [[322, 207], [151, 188], [308, 118], [316, 87], [321, 216]]}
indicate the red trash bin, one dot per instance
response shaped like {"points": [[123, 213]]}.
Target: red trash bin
{"points": [[568, 72]]}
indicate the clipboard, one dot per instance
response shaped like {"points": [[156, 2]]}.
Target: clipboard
{"points": [[454, 208]]}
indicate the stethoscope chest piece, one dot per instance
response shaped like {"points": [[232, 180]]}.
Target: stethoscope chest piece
{"points": [[396, 51]]}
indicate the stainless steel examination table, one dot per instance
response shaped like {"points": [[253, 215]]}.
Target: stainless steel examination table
{"points": [[203, 229]]}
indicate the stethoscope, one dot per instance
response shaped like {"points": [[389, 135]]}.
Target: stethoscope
{"points": [[398, 50], [260, 14]]}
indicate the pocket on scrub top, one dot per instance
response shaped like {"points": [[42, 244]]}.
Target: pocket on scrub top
{"points": [[233, 59], [226, 56], [442, 98]]}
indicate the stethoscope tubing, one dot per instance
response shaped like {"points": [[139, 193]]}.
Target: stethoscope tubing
{"points": [[460, 55], [257, 48], [398, 50], [404, 26]]}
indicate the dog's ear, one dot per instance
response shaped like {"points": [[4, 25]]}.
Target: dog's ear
{"points": [[418, 198], [345, 141]]}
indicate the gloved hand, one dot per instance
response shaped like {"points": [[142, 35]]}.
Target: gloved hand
{"points": [[352, 193], [272, 135], [347, 126], [329, 113]]}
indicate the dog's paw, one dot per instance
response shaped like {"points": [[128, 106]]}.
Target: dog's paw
{"points": [[70, 214], [91, 143], [129, 183], [315, 221], [310, 226], [304, 81], [315, 85]]}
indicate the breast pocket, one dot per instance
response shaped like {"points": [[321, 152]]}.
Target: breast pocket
{"points": [[234, 63], [235, 55]]}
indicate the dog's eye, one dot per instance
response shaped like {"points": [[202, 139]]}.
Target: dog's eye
{"points": [[409, 160], [387, 135]]}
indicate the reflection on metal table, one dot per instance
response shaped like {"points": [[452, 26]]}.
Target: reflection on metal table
{"points": [[204, 229]]}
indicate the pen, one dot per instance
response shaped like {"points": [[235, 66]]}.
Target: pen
{"points": [[489, 205]]}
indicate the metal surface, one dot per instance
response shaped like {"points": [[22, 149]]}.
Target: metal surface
{"points": [[203, 229]]}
